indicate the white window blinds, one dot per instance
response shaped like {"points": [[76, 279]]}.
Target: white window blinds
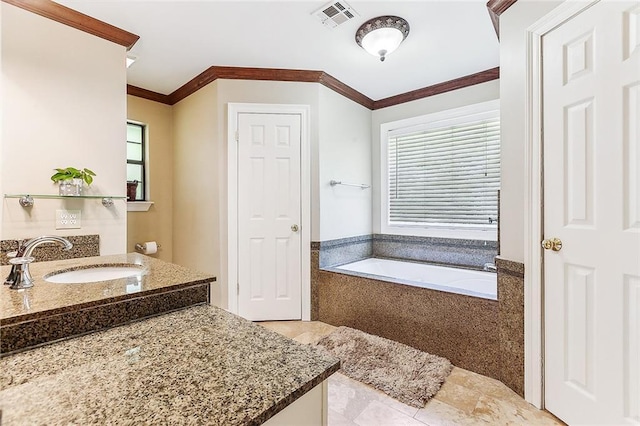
{"points": [[445, 175]]}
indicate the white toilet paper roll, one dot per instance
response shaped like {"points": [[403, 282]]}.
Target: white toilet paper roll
{"points": [[150, 247]]}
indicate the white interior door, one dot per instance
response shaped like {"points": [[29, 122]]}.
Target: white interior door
{"points": [[591, 111], [269, 212]]}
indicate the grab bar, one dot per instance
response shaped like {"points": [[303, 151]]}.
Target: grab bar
{"points": [[358, 185]]}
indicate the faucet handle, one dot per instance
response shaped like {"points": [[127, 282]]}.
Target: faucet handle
{"points": [[22, 260], [12, 275], [18, 266], [20, 278]]}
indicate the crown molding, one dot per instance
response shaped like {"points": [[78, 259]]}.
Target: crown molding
{"points": [[75, 19], [346, 91], [436, 89], [275, 74], [147, 94], [239, 73], [495, 9], [271, 74]]}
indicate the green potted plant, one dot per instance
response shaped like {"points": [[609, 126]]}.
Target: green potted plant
{"points": [[71, 180]]}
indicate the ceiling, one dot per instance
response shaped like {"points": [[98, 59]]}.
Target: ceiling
{"points": [[179, 39]]}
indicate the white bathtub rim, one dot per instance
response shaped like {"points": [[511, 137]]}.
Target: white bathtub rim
{"points": [[429, 286]]}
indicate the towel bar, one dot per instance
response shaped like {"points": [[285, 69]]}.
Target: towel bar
{"points": [[358, 185]]}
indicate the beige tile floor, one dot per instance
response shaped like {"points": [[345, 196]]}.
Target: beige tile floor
{"points": [[466, 398]]}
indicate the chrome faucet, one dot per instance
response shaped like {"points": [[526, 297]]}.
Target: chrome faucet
{"points": [[20, 277], [490, 267]]}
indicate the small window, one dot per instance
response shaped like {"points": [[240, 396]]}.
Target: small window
{"points": [[442, 173], [136, 160]]}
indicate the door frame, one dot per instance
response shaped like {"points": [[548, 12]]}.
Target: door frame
{"points": [[234, 109], [533, 206]]}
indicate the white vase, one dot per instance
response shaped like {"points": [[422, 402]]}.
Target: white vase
{"points": [[71, 187]]}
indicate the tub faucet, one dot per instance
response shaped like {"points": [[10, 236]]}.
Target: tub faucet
{"points": [[490, 267], [20, 277]]}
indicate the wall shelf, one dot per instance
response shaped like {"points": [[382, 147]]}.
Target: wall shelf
{"points": [[27, 200]]}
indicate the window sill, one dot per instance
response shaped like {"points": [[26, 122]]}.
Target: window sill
{"points": [[138, 206]]}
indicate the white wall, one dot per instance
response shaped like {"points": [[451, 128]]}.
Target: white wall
{"points": [[344, 155], [64, 104], [513, 24], [449, 100]]}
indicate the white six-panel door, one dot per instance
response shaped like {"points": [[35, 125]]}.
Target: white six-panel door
{"points": [[269, 212], [591, 98]]}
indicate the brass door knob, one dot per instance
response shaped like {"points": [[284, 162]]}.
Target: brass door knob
{"points": [[554, 244], [294, 228]]}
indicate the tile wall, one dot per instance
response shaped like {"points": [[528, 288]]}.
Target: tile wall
{"points": [[447, 251], [511, 320]]}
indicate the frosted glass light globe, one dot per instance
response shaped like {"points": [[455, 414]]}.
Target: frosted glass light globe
{"points": [[382, 41]]}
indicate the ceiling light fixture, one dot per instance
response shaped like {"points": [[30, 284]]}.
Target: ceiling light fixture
{"points": [[382, 35]]}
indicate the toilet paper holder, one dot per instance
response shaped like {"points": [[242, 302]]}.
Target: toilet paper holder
{"points": [[140, 247]]}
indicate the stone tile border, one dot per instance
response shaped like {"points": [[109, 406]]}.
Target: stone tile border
{"points": [[83, 246], [444, 251]]}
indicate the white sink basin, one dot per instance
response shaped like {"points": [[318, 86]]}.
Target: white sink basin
{"points": [[94, 273]]}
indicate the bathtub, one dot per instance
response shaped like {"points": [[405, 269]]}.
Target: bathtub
{"points": [[452, 280]]}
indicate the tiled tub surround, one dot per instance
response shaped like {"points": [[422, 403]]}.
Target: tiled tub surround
{"points": [[471, 254], [83, 246], [446, 251], [511, 320], [344, 250], [462, 328], [200, 365], [485, 336], [50, 311]]}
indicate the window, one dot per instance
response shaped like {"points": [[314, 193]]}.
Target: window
{"points": [[136, 158], [441, 173]]}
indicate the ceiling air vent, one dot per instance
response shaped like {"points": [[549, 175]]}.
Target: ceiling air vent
{"points": [[335, 13]]}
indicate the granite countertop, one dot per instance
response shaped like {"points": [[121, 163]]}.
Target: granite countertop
{"points": [[46, 298], [201, 365]]}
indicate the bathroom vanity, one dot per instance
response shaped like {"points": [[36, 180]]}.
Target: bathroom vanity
{"points": [[51, 311], [196, 365]]}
